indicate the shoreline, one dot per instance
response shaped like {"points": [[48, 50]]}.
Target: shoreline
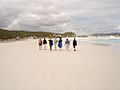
{"points": [[11, 40], [89, 41]]}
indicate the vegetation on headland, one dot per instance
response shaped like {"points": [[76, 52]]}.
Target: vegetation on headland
{"points": [[101, 35], [106, 34], [6, 34]]}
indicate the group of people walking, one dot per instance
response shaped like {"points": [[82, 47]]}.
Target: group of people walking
{"points": [[56, 43]]}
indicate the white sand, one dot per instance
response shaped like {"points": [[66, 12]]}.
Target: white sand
{"points": [[91, 67]]}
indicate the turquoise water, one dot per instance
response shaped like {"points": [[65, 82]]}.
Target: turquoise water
{"points": [[100, 41]]}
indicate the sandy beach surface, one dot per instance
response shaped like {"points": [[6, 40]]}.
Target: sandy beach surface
{"points": [[92, 67]]}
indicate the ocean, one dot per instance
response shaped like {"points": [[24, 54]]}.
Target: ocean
{"points": [[106, 41], [111, 42]]}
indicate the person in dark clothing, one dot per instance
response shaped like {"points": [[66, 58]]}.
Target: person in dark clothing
{"points": [[44, 43], [50, 44], [74, 44], [60, 43]]}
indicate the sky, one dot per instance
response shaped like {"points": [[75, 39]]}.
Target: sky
{"points": [[79, 16]]}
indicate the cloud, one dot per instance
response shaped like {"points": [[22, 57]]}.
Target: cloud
{"points": [[81, 16]]}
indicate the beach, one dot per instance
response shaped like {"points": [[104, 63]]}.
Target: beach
{"points": [[92, 67]]}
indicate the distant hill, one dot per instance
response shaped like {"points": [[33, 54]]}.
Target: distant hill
{"points": [[6, 34], [106, 34], [14, 34]]}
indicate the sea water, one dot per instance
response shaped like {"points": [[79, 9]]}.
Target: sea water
{"points": [[112, 42], [106, 41]]}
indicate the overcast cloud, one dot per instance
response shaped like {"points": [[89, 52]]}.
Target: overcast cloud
{"points": [[80, 16]]}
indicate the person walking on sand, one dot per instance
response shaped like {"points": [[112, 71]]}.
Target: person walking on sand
{"points": [[60, 43], [40, 44], [67, 44], [44, 43], [74, 44], [55, 43], [50, 44]]}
